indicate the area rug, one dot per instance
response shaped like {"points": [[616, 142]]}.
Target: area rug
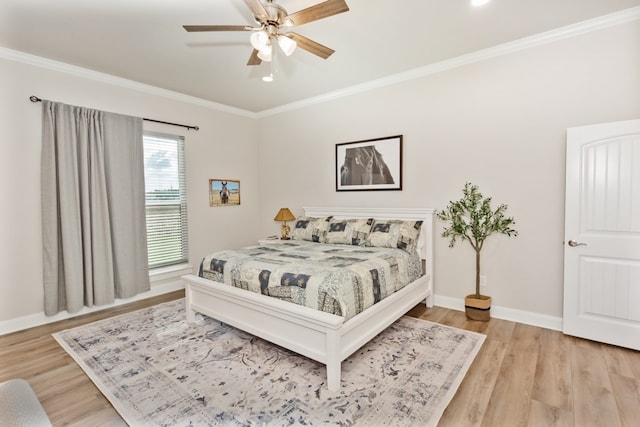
{"points": [[157, 370]]}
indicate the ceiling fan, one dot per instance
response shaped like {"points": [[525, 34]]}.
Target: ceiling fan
{"points": [[274, 22]]}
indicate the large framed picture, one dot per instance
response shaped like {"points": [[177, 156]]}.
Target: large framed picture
{"points": [[371, 164], [224, 192]]}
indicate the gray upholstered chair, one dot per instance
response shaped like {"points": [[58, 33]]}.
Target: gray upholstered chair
{"points": [[19, 406]]}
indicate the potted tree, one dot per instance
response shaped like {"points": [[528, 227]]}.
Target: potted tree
{"points": [[473, 219]]}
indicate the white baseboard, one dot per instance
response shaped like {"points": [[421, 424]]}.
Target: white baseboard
{"points": [[505, 313], [38, 319]]}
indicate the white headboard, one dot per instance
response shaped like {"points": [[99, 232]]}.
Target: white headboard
{"points": [[425, 242]]}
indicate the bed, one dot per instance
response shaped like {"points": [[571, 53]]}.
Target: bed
{"points": [[321, 336]]}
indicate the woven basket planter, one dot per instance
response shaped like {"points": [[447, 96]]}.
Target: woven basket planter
{"points": [[477, 308]]}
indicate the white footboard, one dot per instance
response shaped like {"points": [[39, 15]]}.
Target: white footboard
{"points": [[320, 336]]}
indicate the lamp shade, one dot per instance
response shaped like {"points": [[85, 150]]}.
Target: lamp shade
{"points": [[287, 44], [284, 214], [259, 40], [265, 53]]}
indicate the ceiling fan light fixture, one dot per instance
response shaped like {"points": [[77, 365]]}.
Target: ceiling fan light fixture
{"points": [[259, 39], [288, 45], [265, 53]]}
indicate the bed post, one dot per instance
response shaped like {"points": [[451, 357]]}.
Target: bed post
{"points": [[430, 298], [429, 256], [191, 315], [334, 360]]}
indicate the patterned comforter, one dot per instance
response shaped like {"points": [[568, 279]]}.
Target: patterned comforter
{"points": [[338, 279]]}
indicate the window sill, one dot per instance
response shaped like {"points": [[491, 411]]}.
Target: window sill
{"points": [[171, 272]]}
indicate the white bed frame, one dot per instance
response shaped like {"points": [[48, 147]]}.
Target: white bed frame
{"points": [[323, 337]]}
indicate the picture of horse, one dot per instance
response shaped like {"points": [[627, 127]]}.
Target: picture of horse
{"points": [[364, 166], [224, 192], [374, 164]]}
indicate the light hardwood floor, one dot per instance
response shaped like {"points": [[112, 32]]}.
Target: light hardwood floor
{"points": [[522, 376]]}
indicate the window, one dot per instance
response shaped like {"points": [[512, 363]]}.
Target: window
{"points": [[166, 199]]}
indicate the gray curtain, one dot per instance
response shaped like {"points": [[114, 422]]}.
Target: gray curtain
{"points": [[93, 207]]}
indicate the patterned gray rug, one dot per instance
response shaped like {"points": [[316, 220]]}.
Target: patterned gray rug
{"points": [[159, 371]]}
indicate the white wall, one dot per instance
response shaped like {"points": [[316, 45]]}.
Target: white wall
{"points": [[500, 123], [224, 147]]}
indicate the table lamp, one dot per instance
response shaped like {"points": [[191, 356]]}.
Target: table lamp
{"points": [[284, 215]]}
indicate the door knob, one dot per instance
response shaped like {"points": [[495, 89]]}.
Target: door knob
{"points": [[573, 243]]}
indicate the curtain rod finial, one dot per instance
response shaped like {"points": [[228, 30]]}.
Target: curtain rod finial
{"points": [[34, 98]]}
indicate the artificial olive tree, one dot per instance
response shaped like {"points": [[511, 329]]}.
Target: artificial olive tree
{"points": [[473, 219]]}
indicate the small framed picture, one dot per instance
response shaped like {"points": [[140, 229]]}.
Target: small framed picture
{"points": [[224, 192], [371, 164]]}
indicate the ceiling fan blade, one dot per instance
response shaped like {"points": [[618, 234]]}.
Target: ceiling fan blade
{"points": [[318, 11], [311, 46], [257, 9], [195, 28], [253, 59]]}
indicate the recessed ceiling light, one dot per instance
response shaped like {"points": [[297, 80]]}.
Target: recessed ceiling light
{"points": [[479, 2]]}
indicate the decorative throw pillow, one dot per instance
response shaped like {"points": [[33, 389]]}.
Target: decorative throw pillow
{"points": [[349, 231], [311, 229], [395, 234]]}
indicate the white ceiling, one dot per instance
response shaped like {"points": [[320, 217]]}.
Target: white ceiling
{"points": [[143, 40]]}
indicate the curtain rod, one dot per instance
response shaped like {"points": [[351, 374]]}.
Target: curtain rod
{"points": [[34, 98]]}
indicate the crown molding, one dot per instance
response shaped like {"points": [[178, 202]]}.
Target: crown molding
{"points": [[86, 73], [595, 24], [547, 37]]}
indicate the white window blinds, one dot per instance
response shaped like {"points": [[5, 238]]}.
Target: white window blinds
{"points": [[166, 199]]}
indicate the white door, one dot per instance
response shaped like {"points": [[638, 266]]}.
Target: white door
{"points": [[602, 234]]}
